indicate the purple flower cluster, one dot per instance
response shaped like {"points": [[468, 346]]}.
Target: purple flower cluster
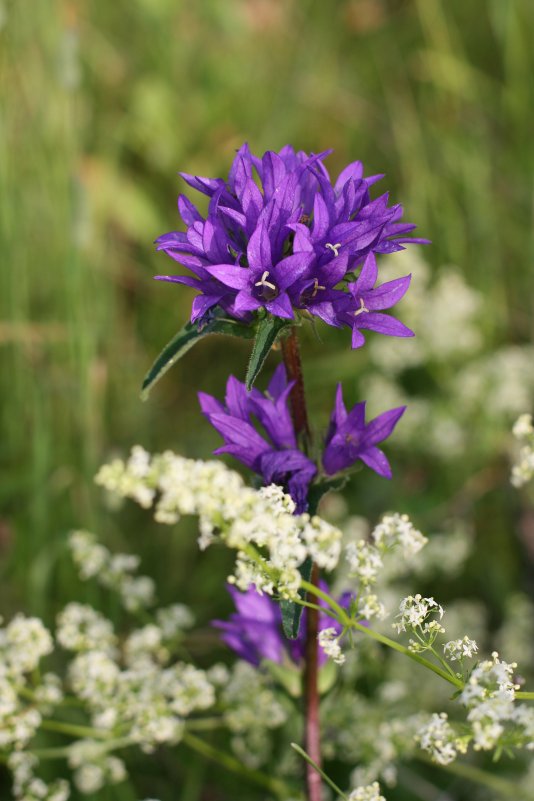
{"points": [[275, 455], [254, 631], [280, 236]]}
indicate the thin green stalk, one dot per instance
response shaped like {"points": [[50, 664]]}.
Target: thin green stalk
{"points": [[229, 762], [65, 751], [478, 776], [526, 696], [340, 612], [75, 730], [316, 767], [349, 623]]}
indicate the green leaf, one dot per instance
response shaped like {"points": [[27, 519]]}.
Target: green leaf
{"points": [[292, 612], [189, 335], [288, 676], [268, 330]]}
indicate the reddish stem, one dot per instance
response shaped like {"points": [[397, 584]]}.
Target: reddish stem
{"points": [[291, 357], [312, 731]]}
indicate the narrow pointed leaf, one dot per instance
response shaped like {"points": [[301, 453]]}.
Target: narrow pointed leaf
{"points": [[188, 336], [267, 333], [292, 612]]}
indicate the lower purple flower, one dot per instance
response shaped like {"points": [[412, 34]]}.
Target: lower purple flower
{"points": [[275, 456], [350, 438], [254, 631]]}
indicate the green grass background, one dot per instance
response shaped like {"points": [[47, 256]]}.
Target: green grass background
{"points": [[101, 103]]}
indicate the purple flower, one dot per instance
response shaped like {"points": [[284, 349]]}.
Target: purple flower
{"points": [[362, 307], [254, 632], [280, 236], [349, 438], [275, 456]]}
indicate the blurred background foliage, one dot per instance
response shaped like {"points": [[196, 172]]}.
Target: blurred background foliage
{"points": [[103, 102]]}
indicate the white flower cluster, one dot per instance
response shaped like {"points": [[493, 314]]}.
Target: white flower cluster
{"points": [[418, 615], [523, 469], [252, 522], [397, 530], [251, 709], [366, 558], [495, 719], [23, 643], [438, 738], [489, 696], [131, 689], [93, 767], [456, 650], [113, 571], [148, 701], [370, 792], [27, 787], [329, 641], [79, 627]]}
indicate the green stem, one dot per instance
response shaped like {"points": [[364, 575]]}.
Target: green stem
{"points": [[316, 767], [74, 730], [231, 763], [444, 663], [318, 592], [347, 622], [526, 696], [478, 776], [65, 751]]}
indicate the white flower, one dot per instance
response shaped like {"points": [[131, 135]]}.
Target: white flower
{"points": [[371, 792], [395, 530], [523, 428], [94, 675], [414, 611], [437, 738], [369, 606], [364, 561], [242, 518], [88, 554], [456, 650], [79, 627], [329, 641], [323, 542], [173, 619], [523, 470], [249, 702], [145, 643], [23, 643]]}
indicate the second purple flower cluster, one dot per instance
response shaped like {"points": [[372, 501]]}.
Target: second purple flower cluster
{"points": [[274, 453]]}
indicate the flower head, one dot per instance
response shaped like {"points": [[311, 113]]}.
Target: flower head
{"points": [[275, 455], [362, 306], [350, 438], [280, 236]]}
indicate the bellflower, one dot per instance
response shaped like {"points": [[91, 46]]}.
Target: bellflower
{"points": [[280, 236], [349, 438], [361, 306], [274, 456], [254, 632]]}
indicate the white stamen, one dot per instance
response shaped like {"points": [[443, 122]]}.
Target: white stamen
{"points": [[334, 248], [316, 287], [264, 282], [363, 308]]}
